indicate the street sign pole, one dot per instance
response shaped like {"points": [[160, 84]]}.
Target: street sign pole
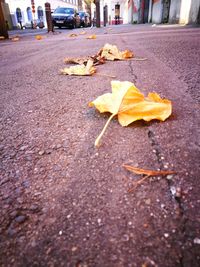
{"points": [[33, 11]]}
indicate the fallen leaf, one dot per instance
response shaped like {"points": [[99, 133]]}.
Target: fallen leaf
{"points": [[127, 54], [97, 60], [2, 37], [91, 37], [15, 39], [147, 172], [111, 52], [130, 105], [80, 70], [38, 37], [73, 35], [83, 32], [71, 60]]}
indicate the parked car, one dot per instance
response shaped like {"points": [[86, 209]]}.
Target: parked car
{"points": [[85, 19], [66, 17]]}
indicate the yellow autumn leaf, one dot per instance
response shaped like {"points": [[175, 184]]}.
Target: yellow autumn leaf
{"points": [[80, 70], [38, 37], [130, 105], [82, 33], [111, 52], [91, 37]]}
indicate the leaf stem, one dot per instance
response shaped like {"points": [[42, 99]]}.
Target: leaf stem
{"points": [[97, 141]]}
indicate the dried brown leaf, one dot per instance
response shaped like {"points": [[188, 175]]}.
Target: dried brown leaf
{"points": [[127, 54], [71, 60], [97, 60], [73, 35]]}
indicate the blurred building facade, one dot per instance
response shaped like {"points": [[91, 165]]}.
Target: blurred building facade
{"points": [[148, 11], [21, 12], [24, 12]]}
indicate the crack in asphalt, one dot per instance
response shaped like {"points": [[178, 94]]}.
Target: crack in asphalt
{"points": [[133, 75], [177, 199]]}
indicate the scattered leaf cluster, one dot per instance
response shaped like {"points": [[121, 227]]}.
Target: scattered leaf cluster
{"points": [[108, 52]]}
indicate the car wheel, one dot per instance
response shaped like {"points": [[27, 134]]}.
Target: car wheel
{"points": [[73, 26]]}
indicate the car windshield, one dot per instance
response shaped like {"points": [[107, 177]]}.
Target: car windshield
{"points": [[61, 10]]}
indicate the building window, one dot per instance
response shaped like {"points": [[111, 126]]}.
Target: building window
{"points": [[19, 15], [29, 14], [40, 13]]}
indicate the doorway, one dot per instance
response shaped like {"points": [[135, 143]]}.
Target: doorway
{"points": [[146, 11], [105, 15], [117, 14], [165, 13]]}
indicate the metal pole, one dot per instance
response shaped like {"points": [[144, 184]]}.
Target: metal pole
{"points": [[48, 17], [3, 28], [97, 3]]}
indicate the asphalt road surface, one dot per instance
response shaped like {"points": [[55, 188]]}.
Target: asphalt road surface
{"points": [[64, 202]]}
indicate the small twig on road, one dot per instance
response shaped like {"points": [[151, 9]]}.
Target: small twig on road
{"points": [[106, 75], [130, 190], [139, 59], [147, 173]]}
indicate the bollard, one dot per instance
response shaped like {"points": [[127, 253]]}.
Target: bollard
{"points": [[48, 17]]}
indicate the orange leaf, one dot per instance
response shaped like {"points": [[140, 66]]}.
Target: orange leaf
{"points": [[147, 172], [111, 52], [91, 37], [127, 54], [38, 37]]}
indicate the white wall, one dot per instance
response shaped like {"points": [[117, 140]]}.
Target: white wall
{"points": [[157, 12], [195, 4], [174, 13], [189, 11]]}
